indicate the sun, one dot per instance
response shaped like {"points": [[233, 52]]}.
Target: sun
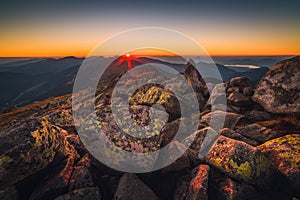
{"points": [[127, 55]]}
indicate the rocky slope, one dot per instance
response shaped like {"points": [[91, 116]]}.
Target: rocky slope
{"points": [[256, 155]]}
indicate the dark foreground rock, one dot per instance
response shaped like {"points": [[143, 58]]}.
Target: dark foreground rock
{"points": [[132, 188], [245, 163], [91, 193], [29, 147]]}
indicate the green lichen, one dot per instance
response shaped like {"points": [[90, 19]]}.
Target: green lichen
{"points": [[244, 169], [217, 162], [5, 161], [261, 164], [289, 155], [293, 160], [46, 143]]}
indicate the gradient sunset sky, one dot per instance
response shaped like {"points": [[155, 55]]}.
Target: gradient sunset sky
{"points": [[63, 28]]}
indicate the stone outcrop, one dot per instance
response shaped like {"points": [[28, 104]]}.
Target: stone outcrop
{"points": [[279, 90]]}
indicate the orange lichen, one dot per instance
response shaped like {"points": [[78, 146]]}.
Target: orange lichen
{"points": [[228, 188], [197, 183]]}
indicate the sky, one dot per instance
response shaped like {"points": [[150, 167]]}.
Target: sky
{"points": [[73, 28]]}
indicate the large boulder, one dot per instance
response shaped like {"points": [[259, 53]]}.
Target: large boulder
{"points": [[238, 160], [245, 163], [284, 154], [279, 90], [28, 147]]}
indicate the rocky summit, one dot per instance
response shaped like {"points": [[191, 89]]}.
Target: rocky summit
{"points": [[254, 155]]}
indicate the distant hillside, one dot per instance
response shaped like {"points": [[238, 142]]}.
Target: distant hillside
{"points": [[49, 65]]}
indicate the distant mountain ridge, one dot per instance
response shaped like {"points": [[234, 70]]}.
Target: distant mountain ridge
{"points": [[24, 84], [43, 66]]}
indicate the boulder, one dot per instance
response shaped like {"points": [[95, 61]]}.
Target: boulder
{"points": [[231, 119], [233, 89], [243, 163], [160, 96], [239, 82], [9, 193], [194, 185], [81, 176], [248, 91], [225, 188], [237, 136], [279, 90], [284, 154], [28, 147], [56, 182], [195, 79], [132, 188], [195, 141], [256, 115], [169, 131], [184, 162], [222, 107], [257, 132], [91, 193], [238, 99], [217, 95]]}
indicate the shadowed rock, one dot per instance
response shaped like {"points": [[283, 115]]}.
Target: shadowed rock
{"points": [[194, 185], [132, 188]]}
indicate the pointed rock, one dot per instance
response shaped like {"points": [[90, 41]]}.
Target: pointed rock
{"points": [[132, 188]]}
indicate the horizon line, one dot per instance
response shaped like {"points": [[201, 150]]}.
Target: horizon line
{"points": [[265, 55]]}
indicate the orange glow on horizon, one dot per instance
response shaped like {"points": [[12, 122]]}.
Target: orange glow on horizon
{"points": [[22, 52], [73, 48]]}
